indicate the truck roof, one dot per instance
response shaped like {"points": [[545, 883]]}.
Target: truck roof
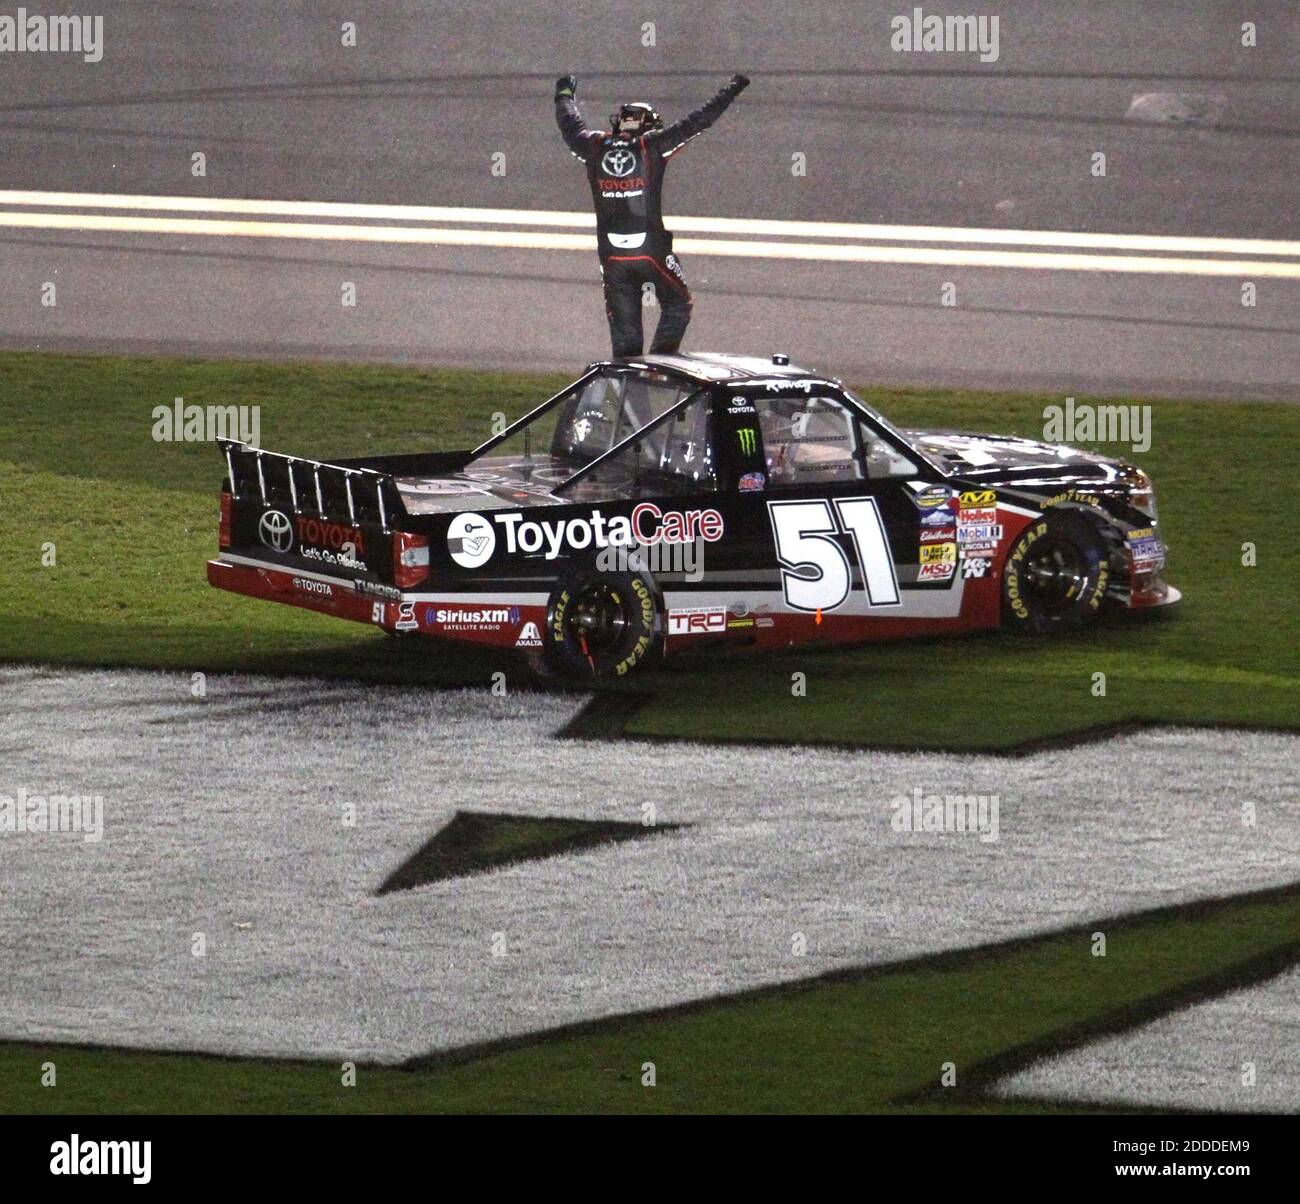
{"points": [[711, 367]]}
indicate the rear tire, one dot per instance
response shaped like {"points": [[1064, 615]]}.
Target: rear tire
{"points": [[601, 624], [1055, 576]]}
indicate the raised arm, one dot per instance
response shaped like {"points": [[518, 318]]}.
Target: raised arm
{"points": [[677, 135], [576, 132]]}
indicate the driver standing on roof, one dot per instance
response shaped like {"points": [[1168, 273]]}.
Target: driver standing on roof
{"points": [[626, 171]]}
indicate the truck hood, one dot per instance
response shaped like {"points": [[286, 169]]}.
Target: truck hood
{"points": [[1008, 460]]}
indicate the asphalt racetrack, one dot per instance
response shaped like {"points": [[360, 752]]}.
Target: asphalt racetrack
{"points": [[926, 155]]}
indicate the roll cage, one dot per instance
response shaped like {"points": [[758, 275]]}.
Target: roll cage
{"points": [[717, 391]]}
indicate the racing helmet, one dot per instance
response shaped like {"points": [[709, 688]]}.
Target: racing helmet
{"points": [[634, 119]]}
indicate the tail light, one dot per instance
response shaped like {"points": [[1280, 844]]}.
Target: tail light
{"points": [[223, 530], [410, 559]]}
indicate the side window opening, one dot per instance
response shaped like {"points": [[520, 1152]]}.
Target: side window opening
{"points": [[884, 460], [811, 439], [675, 457]]}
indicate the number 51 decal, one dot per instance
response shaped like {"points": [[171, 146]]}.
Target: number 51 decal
{"points": [[805, 541]]}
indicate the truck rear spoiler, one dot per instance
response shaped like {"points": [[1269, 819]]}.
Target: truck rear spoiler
{"points": [[326, 491]]}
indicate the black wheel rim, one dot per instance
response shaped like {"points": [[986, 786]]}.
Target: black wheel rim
{"points": [[597, 620], [1054, 576]]}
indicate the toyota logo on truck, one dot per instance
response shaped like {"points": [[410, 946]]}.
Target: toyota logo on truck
{"points": [[275, 531]]}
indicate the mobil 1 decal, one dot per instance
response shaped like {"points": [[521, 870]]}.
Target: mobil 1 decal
{"points": [[815, 571]]}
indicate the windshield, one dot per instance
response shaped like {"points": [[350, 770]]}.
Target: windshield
{"points": [[584, 423], [892, 435]]}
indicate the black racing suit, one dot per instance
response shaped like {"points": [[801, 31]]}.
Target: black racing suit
{"points": [[627, 177]]}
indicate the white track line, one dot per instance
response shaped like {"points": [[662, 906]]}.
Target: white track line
{"points": [[751, 227], [545, 240]]}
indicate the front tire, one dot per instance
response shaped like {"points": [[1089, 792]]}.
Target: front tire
{"points": [[601, 624], [1055, 577]]}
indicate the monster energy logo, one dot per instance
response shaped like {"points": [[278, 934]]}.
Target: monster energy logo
{"points": [[748, 440]]}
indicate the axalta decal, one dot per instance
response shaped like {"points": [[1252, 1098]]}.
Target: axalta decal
{"points": [[647, 525]]}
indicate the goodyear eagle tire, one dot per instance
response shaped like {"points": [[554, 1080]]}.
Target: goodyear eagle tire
{"points": [[601, 624], [1056, 575]]}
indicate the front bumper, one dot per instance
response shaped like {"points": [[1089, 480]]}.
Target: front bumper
{"points": [[1152, 594]]}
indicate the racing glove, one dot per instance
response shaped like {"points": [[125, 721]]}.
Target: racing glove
{"points": [[566, 85]]}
